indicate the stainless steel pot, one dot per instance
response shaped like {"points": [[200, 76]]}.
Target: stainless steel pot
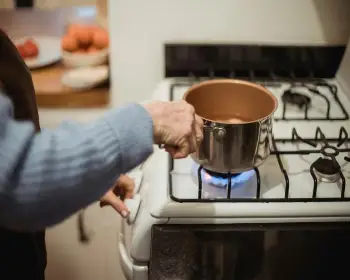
{"points": [[237, 119]]}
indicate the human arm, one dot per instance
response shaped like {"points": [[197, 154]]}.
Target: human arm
{"points": [[46, 177]]}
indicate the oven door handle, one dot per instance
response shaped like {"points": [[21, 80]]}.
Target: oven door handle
{"points": [[125, 261]]}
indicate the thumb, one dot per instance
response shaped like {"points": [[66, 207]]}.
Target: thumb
{"points": [[179, 152]]}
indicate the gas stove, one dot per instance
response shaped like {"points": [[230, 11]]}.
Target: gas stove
{"points": [[299, 125], [309, 162], [303, 185]]}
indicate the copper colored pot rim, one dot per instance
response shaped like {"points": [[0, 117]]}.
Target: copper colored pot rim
{"points": [[234, 81]]}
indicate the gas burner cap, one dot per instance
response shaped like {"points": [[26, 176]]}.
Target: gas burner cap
{"points": [[329, 151], [291, 96], [327, 170]]}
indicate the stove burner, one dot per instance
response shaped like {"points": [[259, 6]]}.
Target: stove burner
{"points": [[328, 170], [220, 180], [292, 97]]}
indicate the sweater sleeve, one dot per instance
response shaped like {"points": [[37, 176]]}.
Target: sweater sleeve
{"points": [[46, 177]]}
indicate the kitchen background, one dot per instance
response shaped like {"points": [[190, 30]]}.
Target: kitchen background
{"points": [[50, 4], [137, 31]]}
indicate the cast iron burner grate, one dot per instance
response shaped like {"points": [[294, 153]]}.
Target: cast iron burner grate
{"points": [[326, 164], [292, 97]]}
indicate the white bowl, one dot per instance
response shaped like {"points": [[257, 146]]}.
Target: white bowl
{"points": [[85, 77], [74, 60]]}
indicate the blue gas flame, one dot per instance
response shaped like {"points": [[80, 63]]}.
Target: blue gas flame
{"points": [[221, 181]]}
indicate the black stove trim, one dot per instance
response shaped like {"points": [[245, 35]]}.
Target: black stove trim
{"points": [[24, 3], [252, 61]]}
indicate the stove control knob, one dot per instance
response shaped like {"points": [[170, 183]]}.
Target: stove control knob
{"points": [[137, 177], [133, 205]]}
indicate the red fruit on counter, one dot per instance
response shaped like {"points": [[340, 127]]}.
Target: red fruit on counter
{"points": [[32, 49], [29, 49]]}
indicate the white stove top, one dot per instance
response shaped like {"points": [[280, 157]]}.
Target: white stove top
{"points": [[184, 180], [272, 181]]}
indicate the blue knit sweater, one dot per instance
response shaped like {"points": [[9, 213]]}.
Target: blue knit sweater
{"points": [[46, 177]]}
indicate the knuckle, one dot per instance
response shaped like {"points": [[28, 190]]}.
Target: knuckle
{"points": [[188, 130], [186, 149]]}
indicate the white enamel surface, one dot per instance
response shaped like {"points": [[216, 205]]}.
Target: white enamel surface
{"points": [[137, 176], [131, 271], [133, 204], [137, 237]]}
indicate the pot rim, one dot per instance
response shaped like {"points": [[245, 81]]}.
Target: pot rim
{"points": [[234, 81]]}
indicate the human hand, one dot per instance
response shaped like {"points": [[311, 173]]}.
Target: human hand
{"points": [[123, 189], [176, 126]]}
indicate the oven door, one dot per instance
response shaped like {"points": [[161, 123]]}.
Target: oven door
{"points": [[250, 251]]}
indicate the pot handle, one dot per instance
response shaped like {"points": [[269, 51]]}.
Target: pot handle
{"points": [[219, 134]]}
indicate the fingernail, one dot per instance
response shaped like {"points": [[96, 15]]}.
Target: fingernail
{"points": [[125, 214]]}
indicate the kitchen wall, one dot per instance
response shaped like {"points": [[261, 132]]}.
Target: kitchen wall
{"points": [[139, 29], [51, 4], [6, 4], [343, 74], [101, 6]]}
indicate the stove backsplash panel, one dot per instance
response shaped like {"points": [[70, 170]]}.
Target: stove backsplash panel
{"points": [[252, 61]]}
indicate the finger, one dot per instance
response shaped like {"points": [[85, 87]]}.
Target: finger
{"points": [[175, 152], [171, 150], [199, 129], [181, 152], [126, 185], [111, 199], [103, 204], [192, 140], [196, 133]]}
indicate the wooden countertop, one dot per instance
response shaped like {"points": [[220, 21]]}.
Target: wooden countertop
{"points": [[50, 92]]}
